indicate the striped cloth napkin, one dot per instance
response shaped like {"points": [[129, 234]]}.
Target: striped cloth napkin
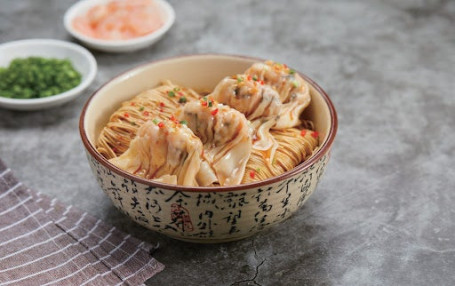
{"points": [[43, 242]]}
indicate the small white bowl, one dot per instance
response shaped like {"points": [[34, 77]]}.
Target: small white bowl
{"points": [[82, 60], [117, 46]]}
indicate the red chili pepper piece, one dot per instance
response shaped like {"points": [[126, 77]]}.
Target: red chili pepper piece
{"points": [[146, 113], [214, 112], [162, 104], [161, 125], [204, 103], [303, 132], [133, 103], [252, 174], [126, 114], [315, 134]]}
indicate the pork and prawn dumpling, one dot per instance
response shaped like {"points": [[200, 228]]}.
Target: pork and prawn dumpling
{"points": [[225, 135], [248, 95], [259, 103], [293, 90], [159, 102], [165, 151]]}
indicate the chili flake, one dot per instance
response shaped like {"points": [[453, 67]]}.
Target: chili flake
{"points": [[214, 112], [303, 132], [126, 115], [133, 103], [248, 77], [145, 113], [161, 125], [173, 119], [162, 104], [204, 103], [252, 174], [315, 134]]}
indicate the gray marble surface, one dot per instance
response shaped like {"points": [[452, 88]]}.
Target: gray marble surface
{"points": [[383, 213]]}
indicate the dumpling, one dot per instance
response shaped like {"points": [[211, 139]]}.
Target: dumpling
{"points": [[159, 102], [249, 96], [225, 134], [292, 89], [259, 103], [165, 151]]}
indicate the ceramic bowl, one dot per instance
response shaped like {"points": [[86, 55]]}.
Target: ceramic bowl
{"points": [[202, 214], [82, 60], [117, 46]]}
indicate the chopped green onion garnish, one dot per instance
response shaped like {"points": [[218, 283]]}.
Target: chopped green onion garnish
{"points": [[182, 99], [36, 77], [171, 93], [155, 121], [183, 122]]}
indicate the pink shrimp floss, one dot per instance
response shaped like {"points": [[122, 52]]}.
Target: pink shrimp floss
{"points": [[120, 20]]}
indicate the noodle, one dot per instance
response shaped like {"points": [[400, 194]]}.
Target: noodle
{"points": [[293, 148]]}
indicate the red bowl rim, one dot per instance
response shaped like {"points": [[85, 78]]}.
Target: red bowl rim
{"points": [[324, 149]]}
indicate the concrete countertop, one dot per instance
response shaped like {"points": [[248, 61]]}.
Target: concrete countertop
{"points": [[383, 213]]}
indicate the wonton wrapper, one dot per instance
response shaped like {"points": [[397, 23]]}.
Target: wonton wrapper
{"points": [[168, 153], [226, 137]]}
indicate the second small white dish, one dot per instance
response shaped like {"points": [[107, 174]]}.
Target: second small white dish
{"points": [[117, 46]]}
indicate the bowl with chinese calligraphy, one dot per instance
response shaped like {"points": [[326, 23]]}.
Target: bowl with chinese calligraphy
{"points": [[209, 214]]}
